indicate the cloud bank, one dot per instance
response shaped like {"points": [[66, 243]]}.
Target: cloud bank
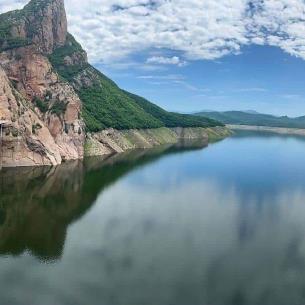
{"points": [[112, 30]]}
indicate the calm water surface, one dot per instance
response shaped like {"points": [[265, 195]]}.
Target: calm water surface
{"points": [[222, 225]]}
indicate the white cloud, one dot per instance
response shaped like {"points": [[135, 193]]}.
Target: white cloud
{"points": [[175, 60], [252, 89], [280, 23], [8, 5], [291, 96], [169, 77], [111, 30], [173, 79]]}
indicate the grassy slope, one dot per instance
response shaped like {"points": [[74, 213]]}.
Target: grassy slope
{"points": [[105, 105], [257, 119], [172, 119]]}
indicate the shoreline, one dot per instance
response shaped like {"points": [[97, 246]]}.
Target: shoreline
{"points": [[112, 141], [278, 130]]}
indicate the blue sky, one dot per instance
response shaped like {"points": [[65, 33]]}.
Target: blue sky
{"points": [[261, 78], [192, 55]]}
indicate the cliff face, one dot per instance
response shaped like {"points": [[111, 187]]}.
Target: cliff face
{"points": [[41, 112], [41, 23], [21, 145]]}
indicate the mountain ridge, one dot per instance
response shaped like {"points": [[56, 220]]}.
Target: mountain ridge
{"points": [[255, 119]]}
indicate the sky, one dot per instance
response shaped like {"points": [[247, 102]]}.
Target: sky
{"points": [[192, 55]]}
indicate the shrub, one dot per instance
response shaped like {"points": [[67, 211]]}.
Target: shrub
{"points": [[58, 108], [41, 105]]}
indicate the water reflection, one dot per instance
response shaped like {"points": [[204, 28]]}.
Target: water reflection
{"points": [[38, 204], [218, 226]]}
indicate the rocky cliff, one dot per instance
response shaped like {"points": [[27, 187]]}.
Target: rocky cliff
{"points": [[40, 112], [41, 23], [52, 99]]}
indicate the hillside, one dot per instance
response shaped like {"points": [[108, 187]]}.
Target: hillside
{"points": [[255, 119], [105, 105]]}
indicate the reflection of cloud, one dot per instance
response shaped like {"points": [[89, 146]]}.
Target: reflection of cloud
{"points": [[160, 229], [173, 241], [269, 266], [154, 244], [191, 229], [190, 233]]}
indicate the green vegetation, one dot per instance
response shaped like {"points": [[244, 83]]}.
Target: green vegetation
{"points": [[105, 105], [6, 40], [34, 6], [36, 127], [12, 43], [172, 119], [58, 108], [40, 104], [255, 119], [57, 58]]}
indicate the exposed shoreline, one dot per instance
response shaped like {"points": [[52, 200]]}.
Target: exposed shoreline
{"points": [[278, 130], [111, 141]]}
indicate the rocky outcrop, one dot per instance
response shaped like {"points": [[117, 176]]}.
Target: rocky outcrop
{"points": [[54, 104], [41, 23], [25, 141], [43, 111]]}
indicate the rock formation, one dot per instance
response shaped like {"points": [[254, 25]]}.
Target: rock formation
{"points": [[41, 112]]}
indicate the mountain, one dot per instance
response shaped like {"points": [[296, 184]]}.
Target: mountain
{"points": [[254, 118], [51, 98], [105, 105], [251, 111]]}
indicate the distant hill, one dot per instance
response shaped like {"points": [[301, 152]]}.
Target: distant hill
{"points": [[254, 118]]}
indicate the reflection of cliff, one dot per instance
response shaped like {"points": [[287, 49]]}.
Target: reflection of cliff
{"points": [[38, 204]]}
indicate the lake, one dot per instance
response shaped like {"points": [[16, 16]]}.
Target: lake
{"points": [[184, 225]]}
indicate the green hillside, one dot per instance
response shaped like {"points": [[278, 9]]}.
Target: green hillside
{"points": [[172, 119], [105, 105], [257, 119]]}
